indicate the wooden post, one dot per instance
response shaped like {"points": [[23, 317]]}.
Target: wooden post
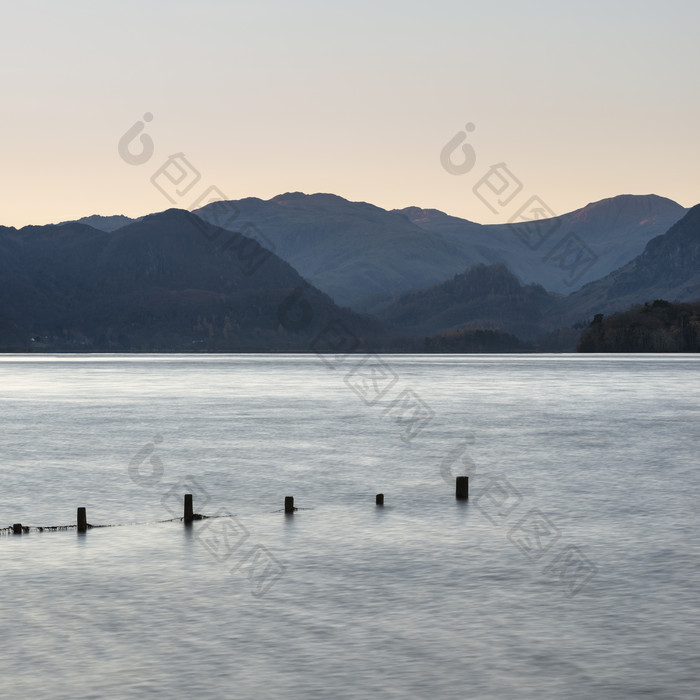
{"points": [[462, 488], [82, 520], [380, 499], [17, 529], [189, 510], [289, 504]]}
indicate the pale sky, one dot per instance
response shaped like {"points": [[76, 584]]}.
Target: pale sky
{"points": [[581, 101]]}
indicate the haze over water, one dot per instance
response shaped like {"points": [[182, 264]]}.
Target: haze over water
{"points": [[588, 456]]}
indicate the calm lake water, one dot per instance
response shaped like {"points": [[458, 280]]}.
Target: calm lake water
{"points": [[573, 571]]}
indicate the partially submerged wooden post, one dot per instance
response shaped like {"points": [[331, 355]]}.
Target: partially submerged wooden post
{"points": [[17, 529], [462, 488], [380, 499], [82, 520], [289, 504], [189, 510]]}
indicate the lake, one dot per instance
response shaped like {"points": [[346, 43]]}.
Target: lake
{"points": [[572, 571]]}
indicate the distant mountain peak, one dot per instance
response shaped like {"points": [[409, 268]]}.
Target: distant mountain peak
{"points": [[667, 268], [297, 197], [645, 207], [103, 223], [172, 213], [419, 215]]}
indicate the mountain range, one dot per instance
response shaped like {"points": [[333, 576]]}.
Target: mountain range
{"points": [[276, 273], [364, 256], [607, 234], [169, 281], [491, 297]]}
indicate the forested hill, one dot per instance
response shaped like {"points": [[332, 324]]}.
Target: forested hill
{"points": [[659, 326], [168, 282]]}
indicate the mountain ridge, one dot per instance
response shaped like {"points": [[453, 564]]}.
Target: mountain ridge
{"points": [[171, 280], [364, 256], [491, 297], [168, 281]]}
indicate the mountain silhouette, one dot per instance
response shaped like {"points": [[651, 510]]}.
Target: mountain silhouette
{"points": [[169, 281], [491, 297], [174, 281], [668, 268], [610, 232]]}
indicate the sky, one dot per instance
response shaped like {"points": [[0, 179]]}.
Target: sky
{"points": [[573, 102]]}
